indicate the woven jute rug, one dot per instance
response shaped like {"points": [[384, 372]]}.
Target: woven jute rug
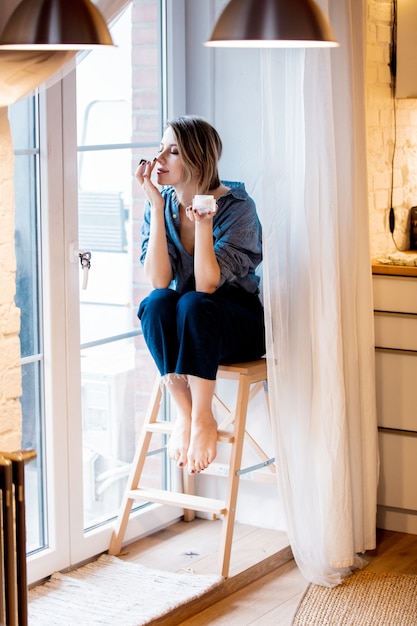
{"points": [[363, 599], [112, 592]]}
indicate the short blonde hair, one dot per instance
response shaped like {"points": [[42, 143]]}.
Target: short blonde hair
{"points": [[200, 148]]}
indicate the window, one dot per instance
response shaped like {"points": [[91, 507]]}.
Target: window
{"points": [[86, 372], [119, 120], [25, 130]]}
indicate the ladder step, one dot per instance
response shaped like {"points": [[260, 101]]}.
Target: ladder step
{"points": [[182, 500], [224, 436]]}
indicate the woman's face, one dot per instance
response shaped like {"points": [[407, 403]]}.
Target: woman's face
{"points": [[169, 168]]}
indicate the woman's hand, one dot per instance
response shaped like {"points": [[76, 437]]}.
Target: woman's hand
{"points": [[157, 264], [143, 174], [195, 216], [206, 267]]}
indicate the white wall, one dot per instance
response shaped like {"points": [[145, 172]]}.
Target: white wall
{"points": [[224, 86]]}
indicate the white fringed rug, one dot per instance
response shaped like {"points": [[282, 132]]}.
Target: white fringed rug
{"points": [[112, 592]]}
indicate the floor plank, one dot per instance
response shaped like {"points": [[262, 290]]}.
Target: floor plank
{"points": [[271, 600], [395, 553], [194, 545]]}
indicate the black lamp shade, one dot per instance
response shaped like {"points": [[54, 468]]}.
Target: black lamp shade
{"points": [[272, 23], [55, 24]]}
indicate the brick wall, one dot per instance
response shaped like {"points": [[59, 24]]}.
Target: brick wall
{"points": [[10, 374], [381, 137]]}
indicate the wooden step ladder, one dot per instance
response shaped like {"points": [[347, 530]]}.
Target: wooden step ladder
{"points": [[252, 378]]}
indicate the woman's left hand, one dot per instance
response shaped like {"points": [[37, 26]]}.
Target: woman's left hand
{"points": [[194, 215]]}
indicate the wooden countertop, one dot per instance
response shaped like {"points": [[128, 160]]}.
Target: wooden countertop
{"points": [[393, 270]]}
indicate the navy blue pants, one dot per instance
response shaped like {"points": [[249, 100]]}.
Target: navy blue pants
{"points": [[194, 332]]}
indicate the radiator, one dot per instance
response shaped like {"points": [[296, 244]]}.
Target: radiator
{"points": [[13, 588]]}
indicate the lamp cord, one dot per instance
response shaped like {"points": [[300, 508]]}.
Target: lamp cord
{"points": [[393, 68]]}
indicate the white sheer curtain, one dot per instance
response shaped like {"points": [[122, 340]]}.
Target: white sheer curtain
{"points": [[317, 296]]}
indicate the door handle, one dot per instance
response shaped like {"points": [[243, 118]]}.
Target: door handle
{"points": [[85, 261]]}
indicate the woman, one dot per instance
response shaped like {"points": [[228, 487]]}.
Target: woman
{"points": [[204, 308]]}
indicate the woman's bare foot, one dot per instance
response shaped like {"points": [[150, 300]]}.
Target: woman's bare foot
{"points": [[203, 443], [177, 446], [179, 441]]}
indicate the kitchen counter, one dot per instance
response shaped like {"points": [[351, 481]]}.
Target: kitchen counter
{"points": [[393, 270], [396, 264]]}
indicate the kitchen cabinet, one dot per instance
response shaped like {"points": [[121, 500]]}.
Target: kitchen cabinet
{"points": [[395, 310], [406, 52]]}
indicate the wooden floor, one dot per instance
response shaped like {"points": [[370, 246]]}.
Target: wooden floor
{"points": [[264, 586]]}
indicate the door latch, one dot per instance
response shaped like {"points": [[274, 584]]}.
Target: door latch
{"points": [[85, 261]]}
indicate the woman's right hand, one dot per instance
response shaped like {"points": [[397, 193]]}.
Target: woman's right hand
{"points": [[143, 174]]}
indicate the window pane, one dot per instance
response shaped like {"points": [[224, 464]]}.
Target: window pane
{"points": [[111, 422], [27, 253], [119, 121], [24, 127], [32, 438], [22, 117]]}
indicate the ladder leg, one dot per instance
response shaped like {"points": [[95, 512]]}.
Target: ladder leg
{"points": [[233, 480], [136, 469], [188, 487]]}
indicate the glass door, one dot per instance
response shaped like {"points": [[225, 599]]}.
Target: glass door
{"points": [[40, 296], [86, 372], [119, 120]]}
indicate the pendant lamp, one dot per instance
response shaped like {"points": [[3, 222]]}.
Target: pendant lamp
{"points": [[55, 25], [272, 24]]}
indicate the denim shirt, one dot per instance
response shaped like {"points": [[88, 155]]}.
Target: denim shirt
{"points": [[237, 238]]}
